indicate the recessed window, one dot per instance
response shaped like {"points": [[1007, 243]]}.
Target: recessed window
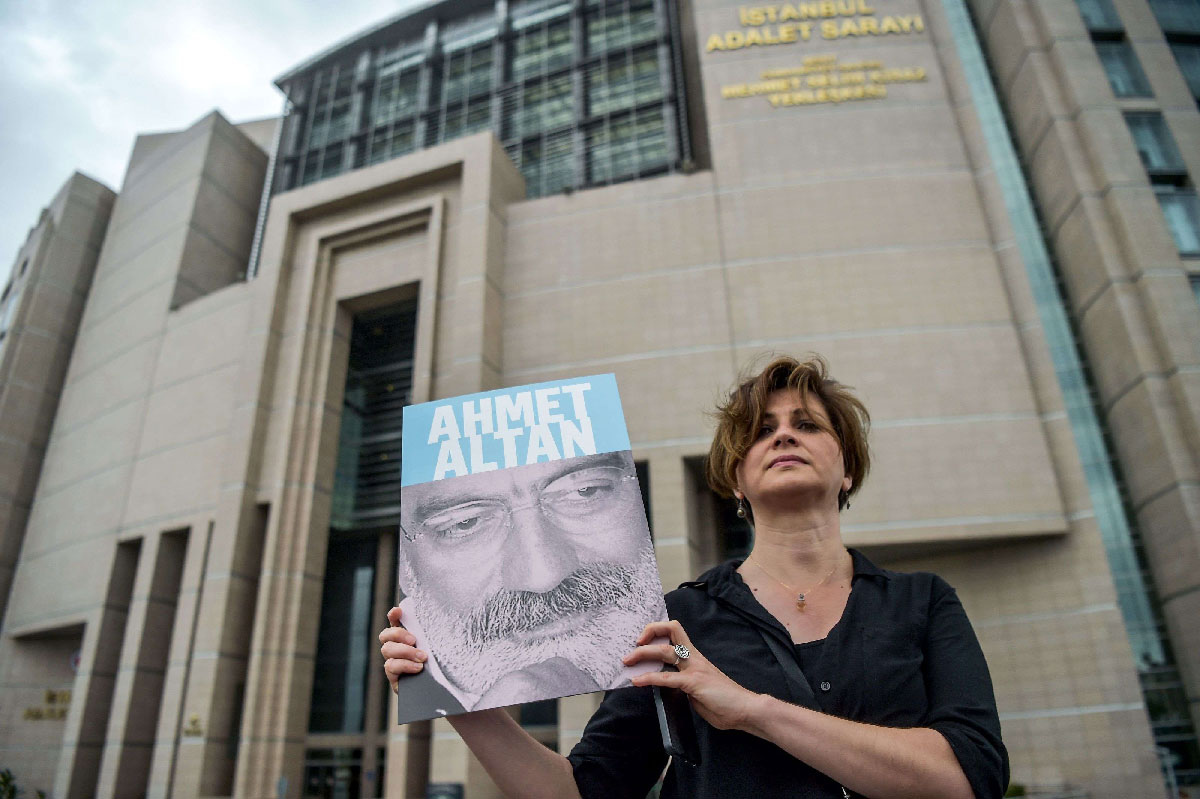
{"points": [[1155, 144], [1187, 55], [1177, 16], [1099, 15], [1124, 72], [1181, 208]]}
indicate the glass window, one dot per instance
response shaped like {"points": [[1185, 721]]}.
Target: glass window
{"points": [[1154, 142], [395, 96], [548, 164], [1182, 212], [461, 120], [627, 146], [466, 73], [391, 143], [343, 638], [1099, 15], [1177, 16], [1188, 57], [1195, 281], [624, 82], [332, 773], [541, 49], [1124, 72], [540, 106], [620, 25]]}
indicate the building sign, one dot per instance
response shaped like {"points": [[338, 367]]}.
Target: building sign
{"points": [[821, 79], [55, 705], [789, 23]]}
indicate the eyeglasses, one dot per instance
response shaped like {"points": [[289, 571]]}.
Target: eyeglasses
{"points": [[575, 502]]}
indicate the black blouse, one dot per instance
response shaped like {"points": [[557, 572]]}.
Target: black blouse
{"points": [[902, 655]]}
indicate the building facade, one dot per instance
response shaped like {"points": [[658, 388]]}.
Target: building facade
{"points": [[982, 213]]}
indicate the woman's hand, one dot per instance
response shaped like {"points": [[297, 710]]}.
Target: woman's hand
{"points": [[399, 649], [719, 700]]}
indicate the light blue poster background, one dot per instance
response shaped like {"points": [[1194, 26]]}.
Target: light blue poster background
{"points": [[512, 427]]}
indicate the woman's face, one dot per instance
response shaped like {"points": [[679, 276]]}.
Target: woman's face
{"points": [[793, 460]]}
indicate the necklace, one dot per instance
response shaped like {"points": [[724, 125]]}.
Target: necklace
{"points": [[801, 596]]}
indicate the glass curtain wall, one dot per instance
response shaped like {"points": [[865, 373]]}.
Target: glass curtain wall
{"points": [[348, 708], [580, 93]]}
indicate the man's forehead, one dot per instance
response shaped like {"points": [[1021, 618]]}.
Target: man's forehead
{"points": [[501, 483]]}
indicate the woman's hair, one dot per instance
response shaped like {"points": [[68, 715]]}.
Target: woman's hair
{"points": [[740, 417]]}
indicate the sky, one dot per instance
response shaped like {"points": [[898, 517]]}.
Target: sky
{"points": [[79, 80]]}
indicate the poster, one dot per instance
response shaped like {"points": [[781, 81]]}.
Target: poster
{"points": [[526, 568]]}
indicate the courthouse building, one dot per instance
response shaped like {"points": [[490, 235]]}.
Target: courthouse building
{"points": [[983, 214]]}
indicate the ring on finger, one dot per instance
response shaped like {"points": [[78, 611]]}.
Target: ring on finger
{"points": [[681, 653]]}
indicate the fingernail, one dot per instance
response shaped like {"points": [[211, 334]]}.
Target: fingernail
{"points": [[421, 656]]}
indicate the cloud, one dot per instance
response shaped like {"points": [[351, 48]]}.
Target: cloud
{"points": [[79, 81]]}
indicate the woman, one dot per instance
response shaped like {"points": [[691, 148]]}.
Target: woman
{"points": [[813, 672]]}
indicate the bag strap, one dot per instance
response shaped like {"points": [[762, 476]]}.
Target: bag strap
{"points": [[801, 691]]}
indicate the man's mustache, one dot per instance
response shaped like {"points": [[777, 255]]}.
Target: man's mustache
{"points": [[588, 588]]}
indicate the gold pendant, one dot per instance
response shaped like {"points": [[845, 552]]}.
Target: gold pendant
{"points": [[800, 601]]}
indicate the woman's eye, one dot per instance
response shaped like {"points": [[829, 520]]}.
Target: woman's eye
{"points": [[765, 431]]}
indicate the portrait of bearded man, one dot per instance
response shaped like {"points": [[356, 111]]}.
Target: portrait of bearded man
{"points": [[525, 583]]}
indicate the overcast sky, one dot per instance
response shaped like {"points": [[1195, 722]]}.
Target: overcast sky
{"points": [[78, 80]]}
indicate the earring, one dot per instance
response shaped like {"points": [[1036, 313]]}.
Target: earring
{"points": [[843, 500], [741, 508]]}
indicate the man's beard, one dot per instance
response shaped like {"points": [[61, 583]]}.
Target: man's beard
{"points": [[478, 647]]}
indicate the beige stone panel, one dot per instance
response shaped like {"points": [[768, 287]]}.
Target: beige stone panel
{"points": [[1084, 83], [1065, 455], [38, 359], [1170, 527], [207, 265], [14, 473], [158, 158], [163, 214], [25, 415], [1005, 41], [826, 295], [1154, 455], [1108, 143], [51, 309], [879, 137], [176, 481], [1166, 80], [1060, 172], [1088, 254], [63, 582], [203, 338], [969, 475], [224, 219], [236, 163], [393, 260], [78, 511], [1176, 315], [675, 310], [1182, 612], [140, 320], [62, 264], [1116, 335], [194, 408], [1185, 129], [99, 445], [149, 184], [124, 378], [115, 287], [1034, 99], [1141, 229], [569, 247], [879, 213], [573, 715]]}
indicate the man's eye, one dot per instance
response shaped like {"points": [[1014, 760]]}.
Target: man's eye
{"points": [[582, 489], [462, 522]]}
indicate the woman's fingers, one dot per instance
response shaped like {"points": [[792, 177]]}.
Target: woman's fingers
{"points": [[671, 630], [393, 617], [395, 650], [663, 653]]}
